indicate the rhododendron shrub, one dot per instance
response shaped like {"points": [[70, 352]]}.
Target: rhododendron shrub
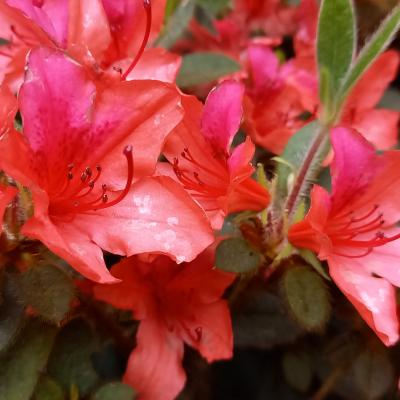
{"points": [[199, 200]]}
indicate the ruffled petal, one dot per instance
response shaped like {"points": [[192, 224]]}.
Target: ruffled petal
{"points": [[374, 298], [354, 167], [69, 242], [222, 115], [155, 365], [156, 216]]}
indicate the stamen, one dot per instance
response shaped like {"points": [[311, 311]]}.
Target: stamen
{"points": [[197, 185], [147, 8], [344, 233], [368, 251], [65, 202]]}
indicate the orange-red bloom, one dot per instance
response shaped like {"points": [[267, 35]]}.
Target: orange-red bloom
{"points": [[354, 229], [218, 178], [100, 33], [175, 304], [86, 156]]}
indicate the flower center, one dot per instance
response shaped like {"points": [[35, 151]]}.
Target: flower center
{"points": [[193, 183], [147, 8], [348, 232], [78, 193]]}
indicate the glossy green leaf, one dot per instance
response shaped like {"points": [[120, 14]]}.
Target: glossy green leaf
{"points": [[336, 42], [204, 67], [307, 297], [48, 290], [176, 24], [237, 255], [114, 391], [375, 46], [21, 366], [70, 362]]}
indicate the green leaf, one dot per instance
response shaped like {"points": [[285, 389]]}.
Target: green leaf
{"points": [[70, 362], [373, 373], [215, 7], [307, 297], [262, 321], [11, 314], [336, 42], [303, 157], [177, 24], [114, 391], [47, 389], [236, 255], [205, 18], [204, 67], [375, 46], [297, 370], [48, 290], [312, 259], [4, 42], [21, 367]]}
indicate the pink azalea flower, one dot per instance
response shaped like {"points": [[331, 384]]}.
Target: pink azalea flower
{"points": [[280, 98], [200, 150], [235, 31], [87, 155], [175, 304], [100, 34], [354, 229]]}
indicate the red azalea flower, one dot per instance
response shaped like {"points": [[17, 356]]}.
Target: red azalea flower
{"points": [[175, 304], [199, 148], [80, 153], [354, 229], [280, 98], [234, 31], [99, 33], [128, 17]]}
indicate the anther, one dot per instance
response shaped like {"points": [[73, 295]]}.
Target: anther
{"points": [[88, 172]]}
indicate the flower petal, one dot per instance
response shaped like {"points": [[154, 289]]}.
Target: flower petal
{"points": [[88, 27], [214, 327], [72, 244], [156, 63], [378, 126], [374, 298], [370, 88], [222, 115], [156, 216], [127, 20], [55, 103], [354, 167], [155, 365]]}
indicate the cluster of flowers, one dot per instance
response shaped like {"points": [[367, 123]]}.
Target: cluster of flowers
{"points": [[116, 158]]}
